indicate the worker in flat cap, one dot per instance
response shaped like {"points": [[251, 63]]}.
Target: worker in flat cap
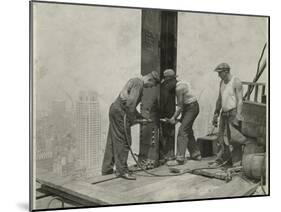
{"points": [[187, 106], [167, 109], [229, 109], [117, 149]]}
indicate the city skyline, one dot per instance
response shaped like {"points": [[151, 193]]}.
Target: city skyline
{"points": [[88, 130], [69, 140]]}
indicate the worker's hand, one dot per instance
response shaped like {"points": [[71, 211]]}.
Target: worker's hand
{"points": [[215, 120], [172, 120], [237, 120], [165, 120], [148, 120], [239, 117]]}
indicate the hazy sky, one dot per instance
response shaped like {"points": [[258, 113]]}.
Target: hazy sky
{"points": [[204, 41], [82, 47], [95, 48]]}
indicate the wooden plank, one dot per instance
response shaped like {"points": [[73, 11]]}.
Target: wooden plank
{"points": [[101, 179], [256, 93], [235, 188], [253, 83], [122, 185], [83, 193], [54, 180], [174, 188], [70, 197], [146, 188], [65, 186], [167, 187]]}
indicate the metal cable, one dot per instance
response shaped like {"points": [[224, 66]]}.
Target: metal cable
{"points": [[161, 175]]}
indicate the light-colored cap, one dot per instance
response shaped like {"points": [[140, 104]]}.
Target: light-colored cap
{"points": [[169, 73], [155, 75], [222, 67]]}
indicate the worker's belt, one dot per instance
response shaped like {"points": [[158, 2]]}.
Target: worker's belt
{"points": [[229, 112], [190, 104]]}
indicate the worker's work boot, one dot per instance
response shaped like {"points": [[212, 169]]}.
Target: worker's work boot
{"points": [[175, 163], [128, 176]]}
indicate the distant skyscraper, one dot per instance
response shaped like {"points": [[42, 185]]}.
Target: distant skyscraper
{"points": [[89, 130]]}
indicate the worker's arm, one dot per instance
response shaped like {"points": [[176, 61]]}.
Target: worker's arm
{"points": [[131, 103], [218, 108], [179, 105], [238, 88]]}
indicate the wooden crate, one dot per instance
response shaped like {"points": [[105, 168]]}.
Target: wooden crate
{"points": [[254, 124]]}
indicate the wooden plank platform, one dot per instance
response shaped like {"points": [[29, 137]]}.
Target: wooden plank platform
{"points": [[146, 188]]}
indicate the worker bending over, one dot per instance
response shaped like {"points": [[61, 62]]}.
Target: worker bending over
{"points": [[188, 107], [117, 149]]}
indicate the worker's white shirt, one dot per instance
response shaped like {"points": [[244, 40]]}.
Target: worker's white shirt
{"points": [[184, 94], [229, 100]]}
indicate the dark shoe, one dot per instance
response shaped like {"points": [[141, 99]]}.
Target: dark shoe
{"points": [[175, 163], [107, 172], [128, 176]]}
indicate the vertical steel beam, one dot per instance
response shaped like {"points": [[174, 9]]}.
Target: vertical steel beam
{"points": [[158, 52]]}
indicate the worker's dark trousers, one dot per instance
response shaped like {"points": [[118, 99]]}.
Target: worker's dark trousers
{"points": [[228, 133], [117, 149], [167, 142], [186, 139]]}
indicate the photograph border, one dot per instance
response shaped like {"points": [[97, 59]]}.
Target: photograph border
{"points": [[31, 93]]}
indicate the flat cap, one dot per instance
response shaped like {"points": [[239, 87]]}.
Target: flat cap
{"points": [[155, 75], [222, 67], [169, 73]]}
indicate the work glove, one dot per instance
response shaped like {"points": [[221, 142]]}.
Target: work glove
{"points": [[172, 121], [164, 120], [238, 120]]}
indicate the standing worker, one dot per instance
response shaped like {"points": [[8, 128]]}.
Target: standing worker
{"points": [[167, 109], [229, 108], [117, 149], [188, 107]]}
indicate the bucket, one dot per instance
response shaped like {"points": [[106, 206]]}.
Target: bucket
{"points": [[254, 165]]}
